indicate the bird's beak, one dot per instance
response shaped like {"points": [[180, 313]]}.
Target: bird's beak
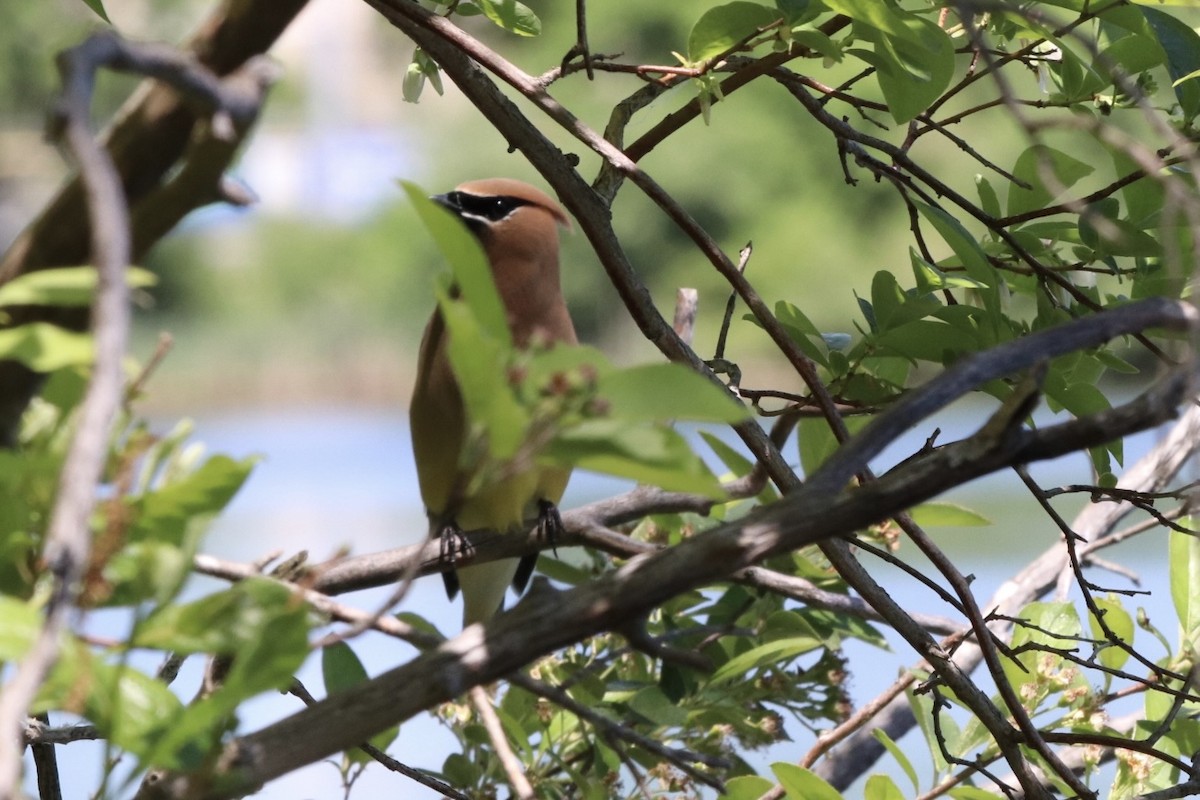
{"points": [[448, 202]]}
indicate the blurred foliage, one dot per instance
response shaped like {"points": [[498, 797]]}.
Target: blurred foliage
{"points": [[160, 491], [33, 32], [311, 292]]}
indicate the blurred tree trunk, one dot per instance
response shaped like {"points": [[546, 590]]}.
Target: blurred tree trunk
{"points": [[169, 162]]}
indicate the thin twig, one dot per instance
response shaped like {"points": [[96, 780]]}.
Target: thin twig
{"points": [[297, 689], [68, 538], [495, 731], [684, 760], [743, 259]]}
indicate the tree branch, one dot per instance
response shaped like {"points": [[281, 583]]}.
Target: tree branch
{"points": [[68, 534], [548, 621], [1096, 522]]}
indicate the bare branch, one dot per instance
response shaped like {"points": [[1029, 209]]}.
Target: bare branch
{"points": [[547, 621], [1097, 522], [495, 731], [68, 538]]}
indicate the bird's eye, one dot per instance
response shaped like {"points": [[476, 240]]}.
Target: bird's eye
{"points": [[493, 208]]}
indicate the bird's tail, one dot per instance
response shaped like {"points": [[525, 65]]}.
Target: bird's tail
{"points": [[483, 588]]}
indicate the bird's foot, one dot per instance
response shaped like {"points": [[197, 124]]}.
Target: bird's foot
{"points": [[453, 545], [549, 528], [550, 525]]}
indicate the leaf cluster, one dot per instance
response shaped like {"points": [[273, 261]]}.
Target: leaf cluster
{"points": [[159, 493]]}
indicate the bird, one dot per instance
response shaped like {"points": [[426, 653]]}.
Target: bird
{"points": [[517, 226]]}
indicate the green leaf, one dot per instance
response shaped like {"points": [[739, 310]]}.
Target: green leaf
{"points": [[341, 670], [661, 392], [655, 455], [167, 514], [1116, 363], [898, 754], [930, 279], [1120, 622], [974, 793], [988, 200], [560, 571], [818, 42], [964, 245], [721, 28], [1133, 54], [802, 784], [1182, 46], [969, 252], [267, 629], [45, 348], [792, 9], [882, 787], [64, 286], [655, 706], [98, 7], [883, 17], [479, 343], [734, 461], [412, 84], [1051, 625], [775, 652], [1143, 197], [220, 623], [922, 707], [130, 708], [914, 58], [1191, 76], [816, 441], [934, 514], [1101, 230], [834, 627], [1064, 172], [146, 570], [469, 265], [886, 298], [421, 69], [916, 70], [138, 706], [925, 340], [802, 331], [479, 361], [746, 787], [512, 16], [460, 770], [1184, 566], [19, 626], [1081, 399], [1077, 80]]}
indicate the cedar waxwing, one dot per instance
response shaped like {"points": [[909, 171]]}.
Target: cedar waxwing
{"points": [[517, 225]]}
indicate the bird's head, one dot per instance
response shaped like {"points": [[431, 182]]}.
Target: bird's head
{"points": [[511, 218]]}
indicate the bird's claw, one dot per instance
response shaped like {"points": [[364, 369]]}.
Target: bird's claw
{"points": [[452, 546], [550, 525]]}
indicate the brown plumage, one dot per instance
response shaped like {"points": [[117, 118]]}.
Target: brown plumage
{"points": [[518, 228]]}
